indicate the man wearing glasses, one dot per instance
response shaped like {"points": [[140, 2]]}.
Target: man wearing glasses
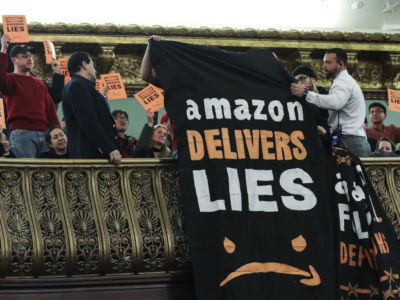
{"points": [[126, 143], [377, 115], [345, 102]]}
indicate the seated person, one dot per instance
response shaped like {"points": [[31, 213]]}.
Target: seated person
{"points": [[377, 114], [126, 143], [57, 142], [384, 148], [172, 141], [152, 141], [5, 145]]}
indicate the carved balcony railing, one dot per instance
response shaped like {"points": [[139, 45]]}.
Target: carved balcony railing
{"points": [[85, 227]]}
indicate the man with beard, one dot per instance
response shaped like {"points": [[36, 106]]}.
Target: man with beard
{"points": [[306, 75], [90, 125], [345, 103], [30, 108]]}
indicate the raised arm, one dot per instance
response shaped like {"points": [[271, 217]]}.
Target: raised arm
{"points": [[147, 72]]}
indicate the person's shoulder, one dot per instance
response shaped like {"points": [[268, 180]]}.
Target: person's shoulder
{"points": [[392, 126]]}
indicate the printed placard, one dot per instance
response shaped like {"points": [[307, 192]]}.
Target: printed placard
{"points": [[151, 97], [2, 114], [63, 61], [17, 28], [116, 88], [49, 51], [394, 100], [99, 86]]}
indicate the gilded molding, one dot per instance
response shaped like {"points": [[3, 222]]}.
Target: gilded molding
{"points": [[374, 58]]}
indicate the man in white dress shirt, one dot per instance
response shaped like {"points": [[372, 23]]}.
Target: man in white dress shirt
{"points": [[345, 103]]}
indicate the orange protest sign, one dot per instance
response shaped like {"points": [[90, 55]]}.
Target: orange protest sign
{"points": [[394, 100], [49, 51], [99, 86], [2, 114], [16, 28], [63, 61], [116, 88], [151, 97]]}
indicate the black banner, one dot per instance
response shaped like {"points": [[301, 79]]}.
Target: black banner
{"points": [[259, 190]]}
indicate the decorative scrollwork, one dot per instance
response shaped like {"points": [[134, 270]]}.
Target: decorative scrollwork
{"points": [[379, 182], [115, 213], [83, 221], [14, 212], [48, 214], [149, 217], [171, 192]]}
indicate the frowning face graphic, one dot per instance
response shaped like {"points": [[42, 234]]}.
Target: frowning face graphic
{"points": [[299, 244]]}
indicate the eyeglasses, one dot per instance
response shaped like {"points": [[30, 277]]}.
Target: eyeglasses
{"points": [[372, 111], [302, 78], [121, 118]]}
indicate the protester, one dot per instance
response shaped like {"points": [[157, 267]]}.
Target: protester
{"points": [[172, 141], [377, 115], [308, 77], [126, 143], [30, 107], [5, 145], [371, 141], [152, 141], [385, 148], [345, 103], [147, 72], [90, 125], [57, 143]]}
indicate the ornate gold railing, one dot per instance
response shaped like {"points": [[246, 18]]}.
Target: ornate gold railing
{"points": [[71, 217], [83, 223]]}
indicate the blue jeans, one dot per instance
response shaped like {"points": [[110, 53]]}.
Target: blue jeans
{"points": [[358, 145], [27, 143]]}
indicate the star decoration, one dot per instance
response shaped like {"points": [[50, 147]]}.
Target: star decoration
{"points": [[390, 6], [353, 290]]}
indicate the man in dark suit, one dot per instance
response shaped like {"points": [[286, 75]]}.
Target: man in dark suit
{"points": [[90, 125]]}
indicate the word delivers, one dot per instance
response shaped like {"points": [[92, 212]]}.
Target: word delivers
{"points": [[291, 181], [219, 146]]}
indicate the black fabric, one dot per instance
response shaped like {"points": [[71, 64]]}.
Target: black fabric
{"points": [[192, 72], [270, 208], [368, 266], [52, 154]]}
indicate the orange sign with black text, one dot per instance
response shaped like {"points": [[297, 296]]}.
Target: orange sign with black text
{"points": [[151, 97], [17, 28], [2, 114], [99, 86], [49, 51], [394, 100], [116, 88], [63, 61]]}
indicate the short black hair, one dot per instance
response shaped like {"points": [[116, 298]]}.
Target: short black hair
{"points": [[47, 135], [120, 112], [75, 61], [341, 55], [380, 105], [304, 70]]}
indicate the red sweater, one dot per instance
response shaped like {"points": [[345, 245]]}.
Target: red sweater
{"points": [[29, 104]]}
